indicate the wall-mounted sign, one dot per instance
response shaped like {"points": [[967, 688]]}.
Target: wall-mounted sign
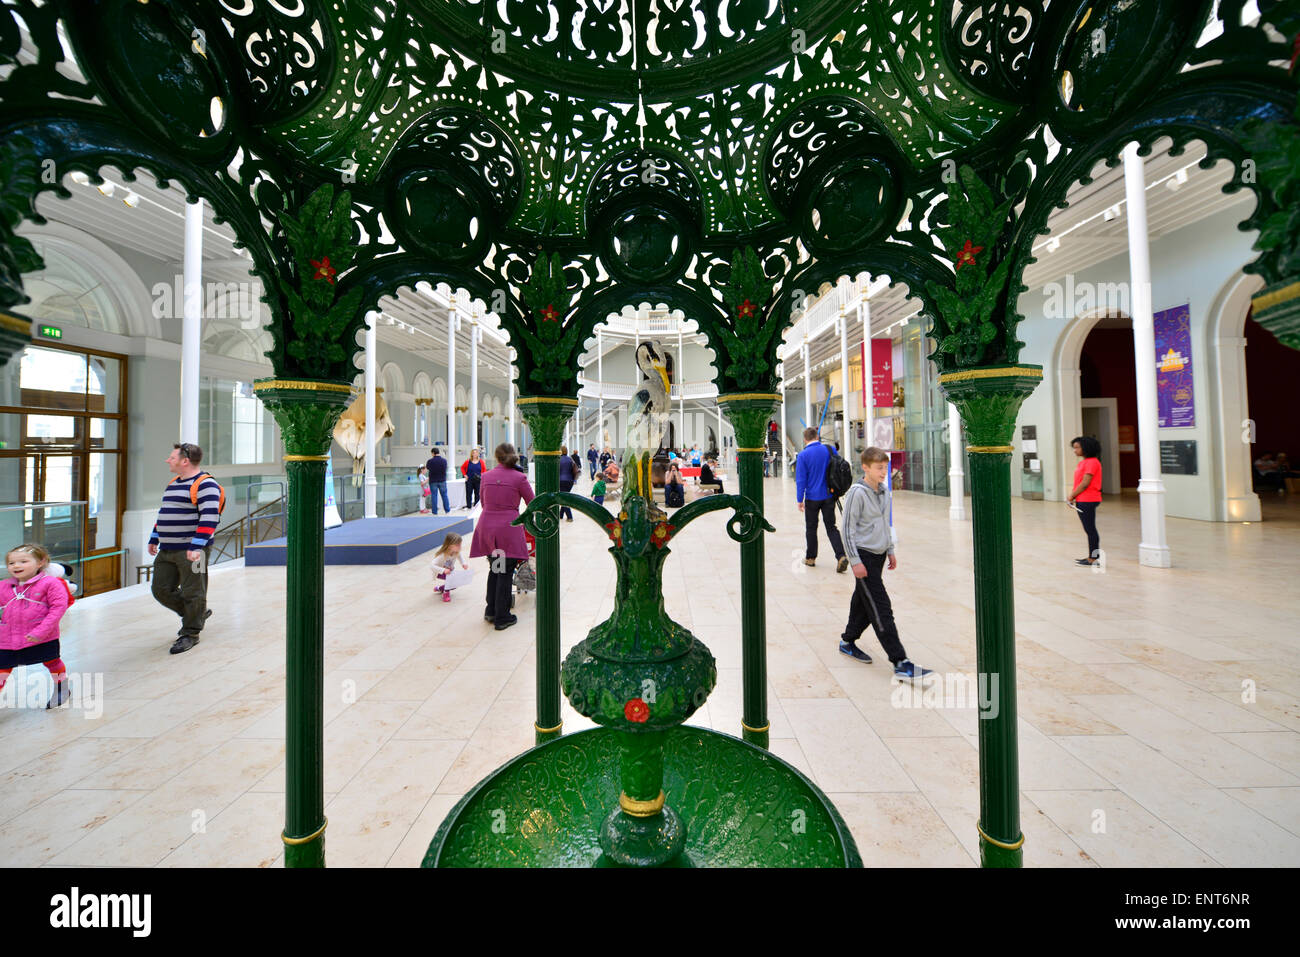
{"points": [[1174, 388], [49, 332], [1178, 457], [1128, 438]]}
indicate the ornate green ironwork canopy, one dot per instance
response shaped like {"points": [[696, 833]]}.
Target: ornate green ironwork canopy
{"points": [[635, 145]]}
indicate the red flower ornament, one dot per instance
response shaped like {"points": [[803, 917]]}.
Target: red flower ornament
{"points": [[637, 711], [615, 531], [746, 309], [966, 256], [323, 269], [549, 314], [662, 532]]}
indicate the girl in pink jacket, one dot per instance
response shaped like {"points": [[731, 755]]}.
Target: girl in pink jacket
{"points": [[31, 604]]}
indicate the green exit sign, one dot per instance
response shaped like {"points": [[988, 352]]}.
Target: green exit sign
{"points": [[51, 332]]}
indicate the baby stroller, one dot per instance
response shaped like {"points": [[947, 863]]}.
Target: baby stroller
{"points": [[526, 572]]}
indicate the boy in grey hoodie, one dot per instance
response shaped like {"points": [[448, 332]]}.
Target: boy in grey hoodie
{"points": [[868, 545]]}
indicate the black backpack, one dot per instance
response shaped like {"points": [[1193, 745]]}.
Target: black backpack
{"points": [[839, 474]]}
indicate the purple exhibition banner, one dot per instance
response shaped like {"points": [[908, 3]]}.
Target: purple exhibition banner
{"points": [[1174, 388]]}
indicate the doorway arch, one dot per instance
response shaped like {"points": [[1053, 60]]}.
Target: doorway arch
{"points": [[1234, 496]]}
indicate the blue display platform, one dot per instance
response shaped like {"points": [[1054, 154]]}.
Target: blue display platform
{"points": [[372, 541]]}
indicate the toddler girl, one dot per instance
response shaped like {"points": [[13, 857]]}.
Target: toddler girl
{"points": [[444, 561], [424, 490], [31, 604]]}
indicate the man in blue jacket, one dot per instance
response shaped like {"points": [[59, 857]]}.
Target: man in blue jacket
{"points": [[437, 467], [815, 499]]}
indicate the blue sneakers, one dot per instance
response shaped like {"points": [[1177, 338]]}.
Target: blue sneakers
{"points": [[853, 651], [910, 672]]}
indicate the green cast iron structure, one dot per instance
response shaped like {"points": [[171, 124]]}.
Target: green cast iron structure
{"points": [[556, 161]]}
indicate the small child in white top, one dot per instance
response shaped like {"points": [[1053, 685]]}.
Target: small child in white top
{"points": [[444, 562], [423, 475]]}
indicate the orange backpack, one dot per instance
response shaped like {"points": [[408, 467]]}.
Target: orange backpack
{"points": [[194, 490]]}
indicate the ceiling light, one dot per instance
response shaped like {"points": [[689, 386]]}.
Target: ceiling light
{"points": [[1177, 181], [131, 199], [1053, 244], [106, 188], [77, 176], [1111, 213]]}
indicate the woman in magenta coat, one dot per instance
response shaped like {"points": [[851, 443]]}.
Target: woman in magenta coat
{"points": [[501, 491]]}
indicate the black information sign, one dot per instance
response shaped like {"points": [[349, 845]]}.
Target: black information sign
{"points": [[1028, 432], [1178, 457]]}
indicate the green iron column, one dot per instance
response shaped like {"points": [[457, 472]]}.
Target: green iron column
{"points": [[306, 411], [546, 417], [749, 414], [15, 335], [989, 400]]}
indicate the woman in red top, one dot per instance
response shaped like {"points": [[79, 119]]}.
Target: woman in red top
{"points": [[1086, 495]]}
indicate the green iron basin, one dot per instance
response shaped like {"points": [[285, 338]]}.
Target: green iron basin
{"points": [[742, 807]]}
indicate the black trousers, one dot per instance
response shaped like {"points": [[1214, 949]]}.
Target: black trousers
{"points": [[471, 490], [182, 586], [1088, 516], [871, 606], [565, 511], [826, 509], [498, 588]]}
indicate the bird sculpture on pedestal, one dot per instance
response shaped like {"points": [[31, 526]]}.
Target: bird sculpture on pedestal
{"points": [[350, 431], [647, 419]]}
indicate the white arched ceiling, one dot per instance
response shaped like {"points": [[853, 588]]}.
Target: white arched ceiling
{"points": [[86, 283]]}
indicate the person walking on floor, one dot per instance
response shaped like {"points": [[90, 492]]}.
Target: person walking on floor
{"points": [[31, 604], [437, 467], [181, 540], [568, 475], [815, 499], [495, 539], [1085, 497], [472, 469], [866, 537], [592, 457]]}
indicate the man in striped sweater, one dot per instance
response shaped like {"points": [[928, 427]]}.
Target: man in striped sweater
{"points": [[181, 540]]}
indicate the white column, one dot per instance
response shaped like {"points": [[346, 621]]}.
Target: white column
{"points": [[721, 455], [372, 484], [192, 323], [681, 387], [474, 333], [868, 375], [956, 476], [846, 446], [1154, 547], [600, 390], [510, 403], [807, 391], [452, 462], [781, 431]]}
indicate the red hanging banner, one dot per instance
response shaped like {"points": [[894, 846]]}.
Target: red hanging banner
{"points": [[882, 373]]}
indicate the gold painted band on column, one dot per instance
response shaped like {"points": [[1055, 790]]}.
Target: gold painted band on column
{"points": [[541, 730], [996, 843], [304, 384], [1276, 297], [988, 449], [305, 840], [755, 449], [641, 808], [766, 727], [14, 324], [305, 458], [1002, 372]]}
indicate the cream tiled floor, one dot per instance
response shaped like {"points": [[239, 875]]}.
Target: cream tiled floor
{"points": [[1159, 709]]}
